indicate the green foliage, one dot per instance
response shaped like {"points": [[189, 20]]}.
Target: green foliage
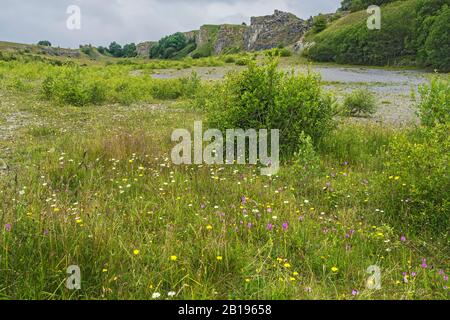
{"points": [[412, 32], [207, 49], [44, 43], [360, 103], [115, 49], [319, 23], [171, 46], [436, 51], [417, 180], [434, 106], [89, 51], [229, 59], [261, 97], [355, 5], [355, 43], [129, 50], [306, 162], [80, 87], [68, 86]]}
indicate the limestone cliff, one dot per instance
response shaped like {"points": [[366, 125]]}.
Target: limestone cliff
{"points": [[268, 32], [280, 28], [143, 49]]}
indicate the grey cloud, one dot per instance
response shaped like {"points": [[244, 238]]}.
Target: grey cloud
{"points": [[104, 21]]}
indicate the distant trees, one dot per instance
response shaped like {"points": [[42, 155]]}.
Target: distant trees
{"points": [[117, 51], [129, 50], [355, 5], [432, 35], [414, 32], [169, 46], [44, 43], [319, 23]]}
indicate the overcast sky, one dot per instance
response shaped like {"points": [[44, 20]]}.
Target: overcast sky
{"points": [[124, 21]]}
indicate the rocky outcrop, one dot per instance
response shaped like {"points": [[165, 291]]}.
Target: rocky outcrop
{"points": [[267, 32], [230, 38], [281, 28], [191, 35], [143, 49], [60, 52]]}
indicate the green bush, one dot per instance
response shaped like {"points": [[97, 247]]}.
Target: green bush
{"points": [[261, 97], [437, 45], [417, 180], [68, 86], [242, 61], [306, 162], [229, 59], [79, 87], [44, 43], [412, 32], [319, 23], [434, 106], [360, 103]]}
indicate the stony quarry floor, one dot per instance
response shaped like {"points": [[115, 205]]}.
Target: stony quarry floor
{"points": [[394, 89]]}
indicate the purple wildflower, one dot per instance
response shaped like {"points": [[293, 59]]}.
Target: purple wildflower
{"points": [[8, 227], [285, 226], [270, 227], [355, 292]]}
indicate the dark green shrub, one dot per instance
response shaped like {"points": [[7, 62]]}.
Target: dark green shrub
{"points": [[229, 59], [360, 103], [416, 181], [44, 43], [434, 106], [242, 61], [437, 45], [129, 50], [319, 23], [261, 97]]}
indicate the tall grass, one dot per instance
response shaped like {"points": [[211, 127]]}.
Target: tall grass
{"points": [[95, 187]]}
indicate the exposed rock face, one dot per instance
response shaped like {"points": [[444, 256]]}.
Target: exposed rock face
{"points": [[143, 49], [270, 31], [267, 32], [191, 35], [230, 37], [60, 52]]}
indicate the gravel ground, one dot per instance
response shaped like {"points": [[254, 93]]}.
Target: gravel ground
{"points": [[391, 88]]}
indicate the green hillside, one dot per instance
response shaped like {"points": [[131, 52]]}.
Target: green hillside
{"points": [[412, 33]]}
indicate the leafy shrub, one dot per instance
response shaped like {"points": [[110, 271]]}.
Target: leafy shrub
{"points": [[44, 43], [170, 46], [360, 103], [242, 61], [115, 49], [306, 162], [431, 37], [68, 86], [417, 180], [434, 107], [261, 97], [412, 32], [229, 59], [319, 23]]}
